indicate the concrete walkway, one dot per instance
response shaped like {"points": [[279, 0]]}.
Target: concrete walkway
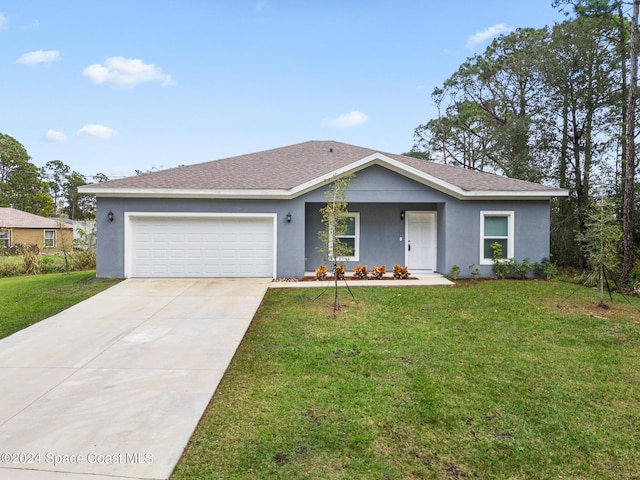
{"points": [[114, 387]]}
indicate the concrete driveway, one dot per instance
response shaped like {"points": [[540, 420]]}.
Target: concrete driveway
{"points": [[115, 386]]}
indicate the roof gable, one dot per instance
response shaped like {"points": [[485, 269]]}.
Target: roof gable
{"points": [[288, 172]]}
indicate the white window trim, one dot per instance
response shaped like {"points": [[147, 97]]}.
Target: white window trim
{"points": [[356, 243], [6, 232], [510, 232], [45, 239]]}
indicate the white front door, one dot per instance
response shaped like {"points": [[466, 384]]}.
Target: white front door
{"points": [[420, 245]]}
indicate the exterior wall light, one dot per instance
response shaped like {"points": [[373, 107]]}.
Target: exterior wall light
{"points": [[110, 216], [288, 217], [402, 215]]}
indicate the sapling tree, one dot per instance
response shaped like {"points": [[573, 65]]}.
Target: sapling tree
{"points": [[601, 241], [335, 218]]}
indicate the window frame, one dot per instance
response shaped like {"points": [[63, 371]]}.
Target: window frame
{"points": [[356, 239], [510, 253], [5, 236], [52, 239]]}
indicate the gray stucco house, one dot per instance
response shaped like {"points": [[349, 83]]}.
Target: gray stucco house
{"points": [[258, 215]]}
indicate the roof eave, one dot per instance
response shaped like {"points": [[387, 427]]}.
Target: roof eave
{"points": [[283, 194], [184, 193]]}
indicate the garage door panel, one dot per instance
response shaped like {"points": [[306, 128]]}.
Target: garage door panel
{"points": [[201, 246]]}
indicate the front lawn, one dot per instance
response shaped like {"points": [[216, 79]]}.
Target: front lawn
{"points": [[29, 299], [491, 379]]}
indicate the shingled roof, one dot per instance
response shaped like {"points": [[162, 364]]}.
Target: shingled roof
{"points": [[293, 170], [12, 218]]}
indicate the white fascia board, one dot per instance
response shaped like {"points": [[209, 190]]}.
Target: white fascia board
{"points": [[511, 195], [384, 161], [184, 193]]}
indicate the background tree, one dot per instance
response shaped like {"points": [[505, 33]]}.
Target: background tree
{"points": [[580, 73], [21, 183], [627, 53], [488, 109], [630, 157], [55, 173], [539, 105], [63, 184]]}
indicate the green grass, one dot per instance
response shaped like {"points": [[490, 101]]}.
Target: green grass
{"points": [[483, 380], [28, 299]]}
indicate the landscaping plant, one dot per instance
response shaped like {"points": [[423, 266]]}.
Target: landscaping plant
{"points": [[321, 272], [500, 264], [400, 272], [360, 272], [378, 272]]}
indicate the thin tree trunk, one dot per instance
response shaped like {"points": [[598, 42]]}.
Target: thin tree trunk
{"points": [[630, 168]]}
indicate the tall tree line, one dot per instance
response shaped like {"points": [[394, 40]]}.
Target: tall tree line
{"points": [[553, 105], [48, 191]]}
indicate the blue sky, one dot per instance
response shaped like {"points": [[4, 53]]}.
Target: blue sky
{"points": [[114, 86]]}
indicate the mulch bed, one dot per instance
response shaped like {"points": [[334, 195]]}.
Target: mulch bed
{"points": [[347, 278]]}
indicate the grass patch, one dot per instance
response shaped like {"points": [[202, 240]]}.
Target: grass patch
{"points": [[482, 380], [27, 300]]}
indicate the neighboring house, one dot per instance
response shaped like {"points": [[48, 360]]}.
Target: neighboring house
{"points": [[258, 215], [22, 228]]}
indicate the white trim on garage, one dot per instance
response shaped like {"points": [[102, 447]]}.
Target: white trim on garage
{"points": [[131, 217]]}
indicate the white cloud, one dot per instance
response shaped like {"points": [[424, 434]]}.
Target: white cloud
{"points": [[485, 35], [346, 120], [39, 56], [97, 131], [3, 21], [126, 72], [55, 136]]}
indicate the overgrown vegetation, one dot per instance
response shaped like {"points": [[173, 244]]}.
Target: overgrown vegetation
{"points": [[493, 379], [29, 262]]}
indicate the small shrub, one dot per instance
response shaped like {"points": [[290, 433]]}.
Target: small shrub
{"points": [[83, 260], [549, 268], [51, 264], [521, 269], [501, 266], [378, 272], [475, 271], [338, 271], [360, 272], [30, 259], [455, 272], [10, 269], [400, 272], [321, 272]]}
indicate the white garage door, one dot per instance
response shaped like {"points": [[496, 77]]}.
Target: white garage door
{"points": [[201, 246]]}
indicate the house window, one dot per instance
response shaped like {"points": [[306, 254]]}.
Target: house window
{"points": [[5, 240], [495, 227], [351, 237], [49, 238]]}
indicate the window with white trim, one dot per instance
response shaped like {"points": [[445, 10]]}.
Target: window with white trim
{"points": [[351, 237], [496, 227], [49, 238], [5, 239]]}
